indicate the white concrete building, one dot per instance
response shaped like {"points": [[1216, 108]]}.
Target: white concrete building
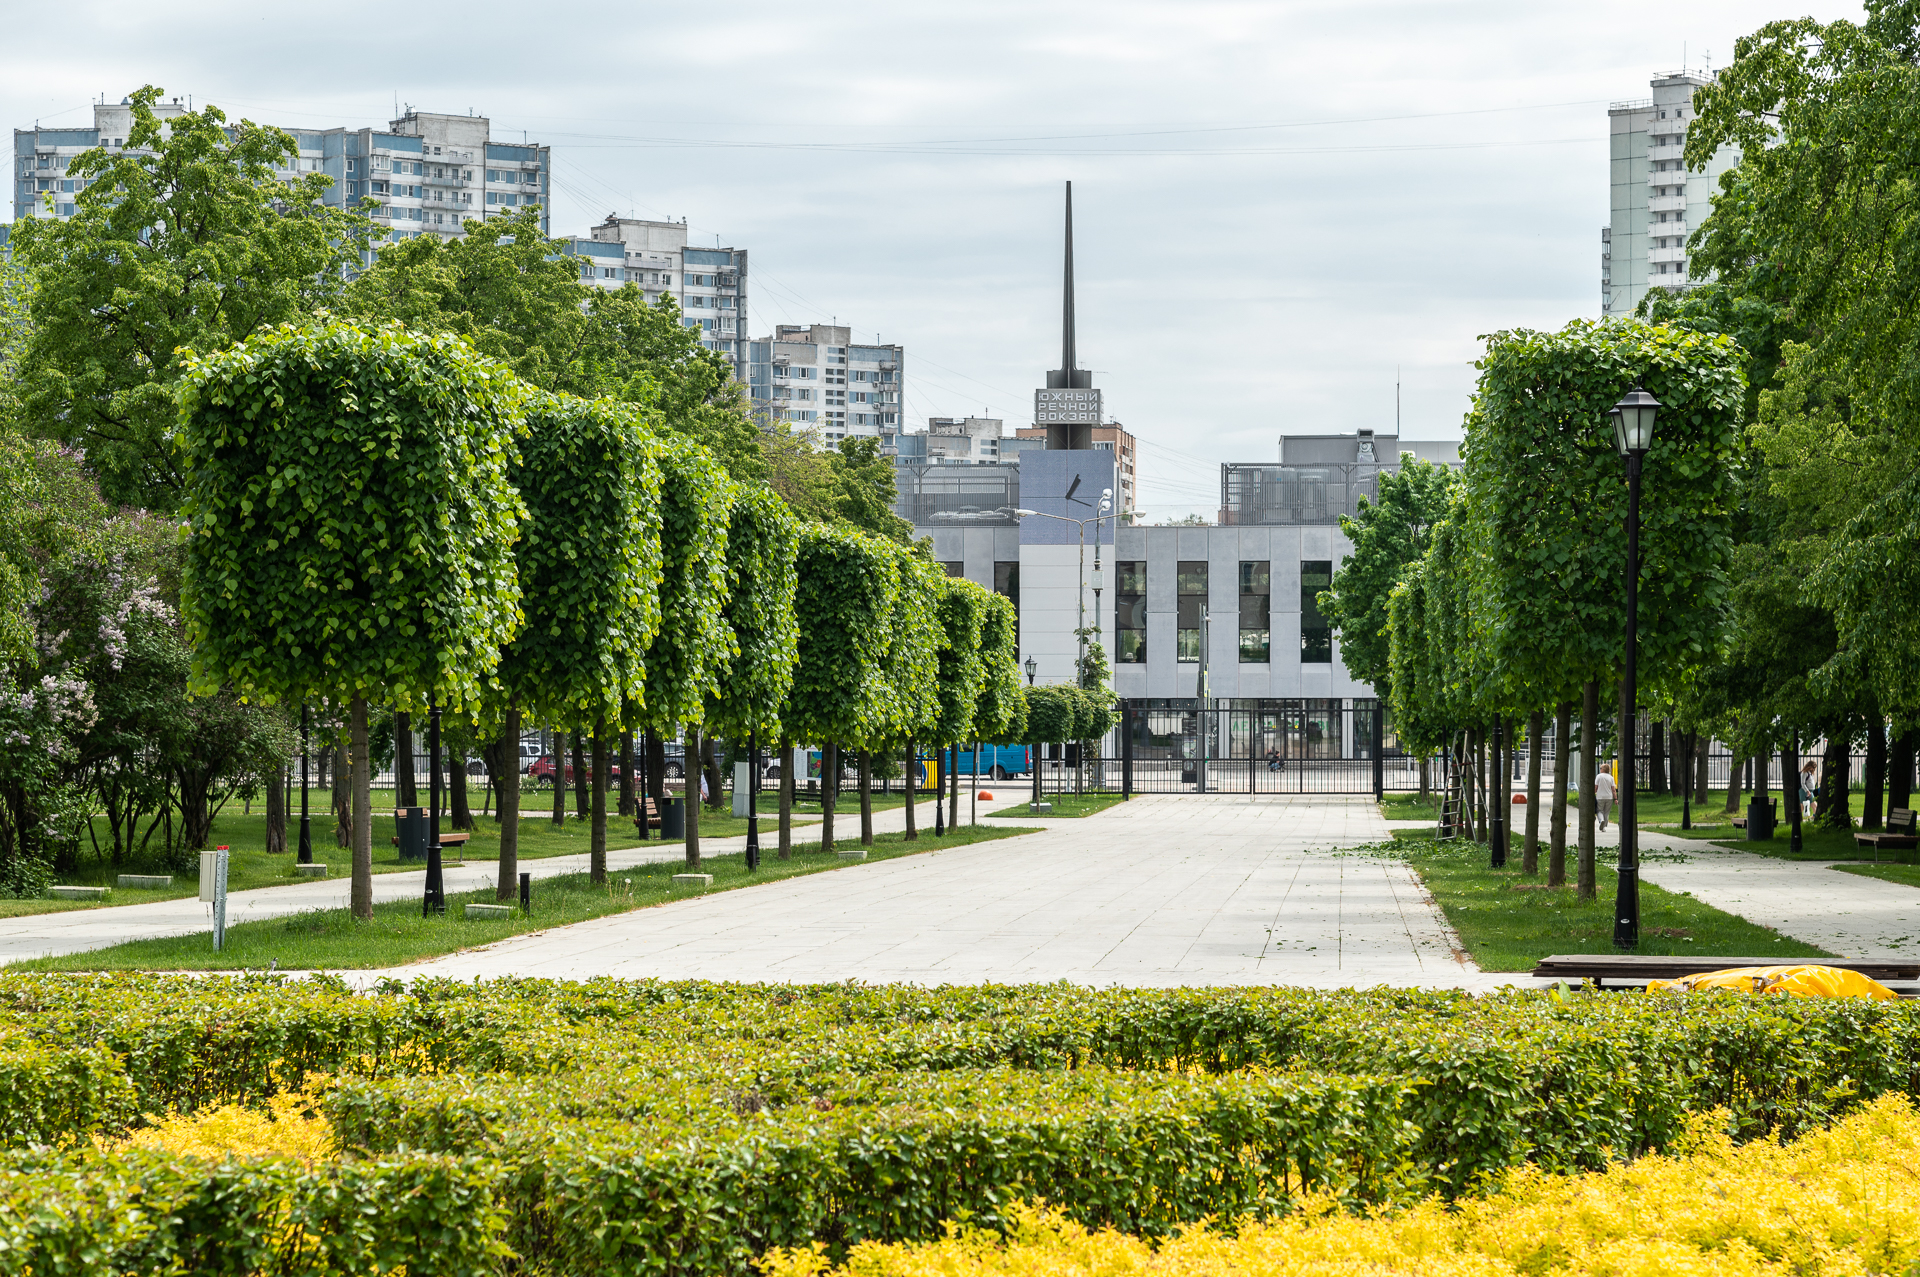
{"points": [[815, 375], [429, 173], [1656, 202], [708, 284]]}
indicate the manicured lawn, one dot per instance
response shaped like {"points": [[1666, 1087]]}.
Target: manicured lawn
{"points": [[1816, 843], [1508, 921], [1662, 812], [1013, 804], [1905, 875], [1411, 806], [397, 934], [249, 865]]}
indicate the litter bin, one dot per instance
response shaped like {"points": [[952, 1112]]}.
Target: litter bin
{"points": [[673, 821], [1759, 819], [410, 826]]}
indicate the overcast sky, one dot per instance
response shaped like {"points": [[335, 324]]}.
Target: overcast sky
{"points": [[1277, 205]]}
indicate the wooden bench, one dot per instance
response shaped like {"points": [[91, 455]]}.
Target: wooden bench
{"points": [[451, 838], [643, 810], [1898, 833], [1629, 970]]}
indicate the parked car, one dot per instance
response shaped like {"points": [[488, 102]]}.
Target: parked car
{"points": [[542, 770]]}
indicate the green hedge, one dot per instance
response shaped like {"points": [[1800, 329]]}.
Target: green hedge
{"points": [[655, 1127]]}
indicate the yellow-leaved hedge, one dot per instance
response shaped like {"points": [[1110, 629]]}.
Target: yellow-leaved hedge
{"points": [[1838, 1201]]}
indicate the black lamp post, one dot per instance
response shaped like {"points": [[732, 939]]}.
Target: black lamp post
{"points": [[1632, 435], [434, 899], [305, 856], [753, 796], [1033, 751], [1497, 831]]}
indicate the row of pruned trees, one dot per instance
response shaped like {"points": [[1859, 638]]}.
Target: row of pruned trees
{"points": [[377, 516]]}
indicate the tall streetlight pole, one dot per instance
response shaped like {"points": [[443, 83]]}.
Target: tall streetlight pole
{"points": [[1033, 760], [305, 856], [1632, 435]]}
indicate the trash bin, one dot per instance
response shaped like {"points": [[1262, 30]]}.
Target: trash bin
{"points": [[410, 827], [673, 821], [1759, 819]]}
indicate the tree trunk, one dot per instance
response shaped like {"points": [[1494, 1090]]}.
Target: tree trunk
{"points": [[362, 893], [786, 798], [657, 777], [1424, 782], [716, 783], [507, 880], [913, 769], [1836, 809], [1482, 827], [597, 838], [626, 773], [1557, 840], [581, 780], [277, 812], [457, 789], [1657, 756], [692, 804], [1589, 768], [1530, 850], [1702, 777], [1900, 761], [342, 793], [1876, 775], [829, 789], [558, 757], [1733, 782], [953, 808], [405, 793]]}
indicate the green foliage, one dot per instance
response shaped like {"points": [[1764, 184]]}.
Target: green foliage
{"points": [[182, 244], [963, 610], [864, 491], [763, 541], [1545, 526], [588, 561], [350, 522], [1388, 535], [1053, 713], [845, 604], [916, 658], [694, 647], [1001, 712]]}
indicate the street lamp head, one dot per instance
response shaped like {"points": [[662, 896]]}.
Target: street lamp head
{"points": [[1633, 422], [1025, 514], [1033, 667]]}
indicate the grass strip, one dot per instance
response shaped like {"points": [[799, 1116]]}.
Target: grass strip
{"points": [[1508, 920], [397, 934], [1065, 806], [1905, 875]]}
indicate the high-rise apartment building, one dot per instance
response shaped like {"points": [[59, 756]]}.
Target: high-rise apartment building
{"points": [[428, 172], [709, 284], [1656, 202], [814, 374]]}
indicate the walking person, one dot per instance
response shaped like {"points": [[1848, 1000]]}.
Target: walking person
{"points": [[1603, 795], [1809, 777]]}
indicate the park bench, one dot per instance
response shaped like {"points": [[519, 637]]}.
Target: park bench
{"points": [[1633, 970], [644, 810], [1898, 833], [448, 838]]}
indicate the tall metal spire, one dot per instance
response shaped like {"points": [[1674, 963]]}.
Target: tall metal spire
{"points": [[1069, 356]]}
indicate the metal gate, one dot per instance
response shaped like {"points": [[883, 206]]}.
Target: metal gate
{"points": [[1301, 746]]}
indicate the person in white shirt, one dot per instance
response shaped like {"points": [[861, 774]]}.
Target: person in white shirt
{"points": [[1603, 792]]}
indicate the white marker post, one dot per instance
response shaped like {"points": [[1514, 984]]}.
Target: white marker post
{"points": [[213, 890]]}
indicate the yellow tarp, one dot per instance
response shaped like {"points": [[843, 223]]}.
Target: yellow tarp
{"points": [[1805, 981]]}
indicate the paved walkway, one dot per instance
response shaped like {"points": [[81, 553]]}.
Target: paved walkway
{"points": [[1164, 890], [77, 930]]}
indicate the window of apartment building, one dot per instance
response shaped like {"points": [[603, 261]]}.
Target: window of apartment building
{"points": [[1316, 635], [1191, 605], [1256, 608], [1130, 612], [1006, 582], [954, 567]]}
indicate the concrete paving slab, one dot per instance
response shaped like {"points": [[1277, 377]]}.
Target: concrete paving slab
{"points": [[1163, 890]]}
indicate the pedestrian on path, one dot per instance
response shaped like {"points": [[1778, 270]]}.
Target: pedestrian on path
{"points": [[1808, 779], [1603, 792]]}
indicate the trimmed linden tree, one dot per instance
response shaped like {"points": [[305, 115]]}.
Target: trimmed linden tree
{"points": [[350, 526], [589, 567]]}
